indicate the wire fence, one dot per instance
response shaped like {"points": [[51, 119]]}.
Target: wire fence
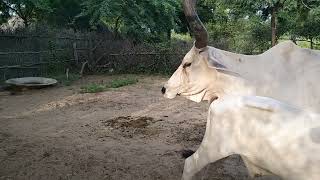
{"points": [[44, 53], [37, 53]]}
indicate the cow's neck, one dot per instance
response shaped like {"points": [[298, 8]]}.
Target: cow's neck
{"points": [[237, 63], [227, 84]]}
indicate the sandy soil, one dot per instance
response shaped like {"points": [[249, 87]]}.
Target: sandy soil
{"points": [[121, 134]]}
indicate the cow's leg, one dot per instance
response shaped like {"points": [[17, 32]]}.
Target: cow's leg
{"points": [[198, 160], [253, 169], [195, 163]]}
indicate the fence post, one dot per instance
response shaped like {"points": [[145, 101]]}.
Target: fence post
{"points": [[37, 48], [5, 74], [90, 48], [75, 53]]}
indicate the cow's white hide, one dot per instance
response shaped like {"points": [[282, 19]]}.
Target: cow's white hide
{"points": [[267, 133]]}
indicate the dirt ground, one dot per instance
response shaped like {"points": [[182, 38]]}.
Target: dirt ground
{"points": [[129, 133]]}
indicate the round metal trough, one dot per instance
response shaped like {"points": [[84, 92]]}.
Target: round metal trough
{"points": [[32, 82]]}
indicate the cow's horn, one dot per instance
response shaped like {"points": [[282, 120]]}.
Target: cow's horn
{"points": [[197, 28]]}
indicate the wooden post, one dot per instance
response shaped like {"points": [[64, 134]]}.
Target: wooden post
{"points": [[67, 73], [4, 74], [75, 53], [37, 48], [90, 49], [82, 68]]}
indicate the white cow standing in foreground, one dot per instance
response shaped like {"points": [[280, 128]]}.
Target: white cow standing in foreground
{"points": [[270, 136]]}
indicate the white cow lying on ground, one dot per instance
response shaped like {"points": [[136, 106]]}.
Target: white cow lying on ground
{"points": [[269, 135], [285, 72]]}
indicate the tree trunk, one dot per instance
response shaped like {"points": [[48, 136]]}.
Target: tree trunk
{"points": [[116, 27], [311, 43], [25, 22], [293, 39], [274, 26], [169, 34]]}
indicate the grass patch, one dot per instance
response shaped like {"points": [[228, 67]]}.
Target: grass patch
{"points": [[93, 88], [116, 83], [62, 78], [122, 82]]}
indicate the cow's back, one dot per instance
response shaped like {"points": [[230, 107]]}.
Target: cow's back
{"points": [[272, 134], [290, 74]]}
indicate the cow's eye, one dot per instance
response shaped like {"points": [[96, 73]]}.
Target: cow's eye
{"points": [[186, 65]]}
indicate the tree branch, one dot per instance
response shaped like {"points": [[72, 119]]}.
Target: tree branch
{"points": [[22, 15], [11, 8], [305, 5]]}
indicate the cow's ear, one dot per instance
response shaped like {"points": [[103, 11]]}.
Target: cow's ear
{"points": [[221, 68], [215, 64], [203, 51], [215, 59]]}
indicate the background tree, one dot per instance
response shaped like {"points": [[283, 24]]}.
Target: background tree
{"points": [[265, 8], [62, 13], [206, 11], [232, 25], [4, 13], [308, 22], [137, 19], [28, 10]]}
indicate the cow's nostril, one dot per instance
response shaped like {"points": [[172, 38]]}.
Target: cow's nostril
{"points": [[163, 90]]}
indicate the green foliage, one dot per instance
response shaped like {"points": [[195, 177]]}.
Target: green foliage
{"points": [[245, 25], [242, 36], [93, 88], [310, 26], [241, 25], [206, 11], [4, 13], [181, 36], [138, 19], [301, 20], [116, 83], [62, 13]]}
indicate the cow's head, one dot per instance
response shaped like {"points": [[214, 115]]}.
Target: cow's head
{"points": [[195, 77]]}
